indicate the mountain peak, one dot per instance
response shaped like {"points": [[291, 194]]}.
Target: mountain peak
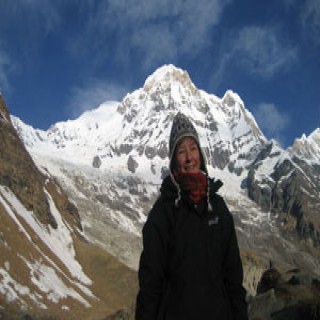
{"points": [[308, 146], [316, 134], [230, 98], [168, 75]]}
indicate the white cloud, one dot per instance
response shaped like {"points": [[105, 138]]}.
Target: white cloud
{"points": [[92, 95], [311, 19], [157, 30], [272, 121], [258, 50], [223, 64], [144, 41], [262, 52], [309, 14]]}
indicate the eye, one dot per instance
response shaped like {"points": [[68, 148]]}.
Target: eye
{"points": [[194, 147]]}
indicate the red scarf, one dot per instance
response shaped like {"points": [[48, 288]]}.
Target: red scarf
{"points": [[195, 184]]}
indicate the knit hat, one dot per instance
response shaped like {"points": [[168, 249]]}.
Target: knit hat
{"points": [[182, 127]]}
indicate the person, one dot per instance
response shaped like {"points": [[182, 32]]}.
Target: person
{"points": [[190, 266]]}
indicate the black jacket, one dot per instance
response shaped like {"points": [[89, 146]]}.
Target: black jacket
{"points": [[190, 267]]}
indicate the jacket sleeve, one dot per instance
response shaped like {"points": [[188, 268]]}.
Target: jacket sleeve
{"points": [[233, 272], [152, 268]]}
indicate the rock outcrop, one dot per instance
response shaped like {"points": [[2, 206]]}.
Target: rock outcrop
{"points": [[290, 190], [284, 295]]}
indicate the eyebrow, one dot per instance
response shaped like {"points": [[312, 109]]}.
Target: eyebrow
{"points": [[193, 143]]}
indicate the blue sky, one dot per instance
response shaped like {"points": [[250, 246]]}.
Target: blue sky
{"points": [[59, 58]]}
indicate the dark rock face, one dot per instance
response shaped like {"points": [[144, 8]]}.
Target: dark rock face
{"points": [[269, 280], [132, 164], [120, 315], [220, 158], [150, 152], [19, 173], [291, 191], [304, 311], [96, 163], [289, 295]]}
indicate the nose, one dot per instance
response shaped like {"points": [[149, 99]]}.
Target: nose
{"points": [[188, 156]]}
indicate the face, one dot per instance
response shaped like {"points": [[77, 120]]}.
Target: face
{"points": [[188, 156]]}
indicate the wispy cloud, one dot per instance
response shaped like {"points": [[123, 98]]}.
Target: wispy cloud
{"points": [[153, 51], [271, 120], [260, 51], [92, 95], [311, 19], [308, 15], [154, 30], [38, 15]]}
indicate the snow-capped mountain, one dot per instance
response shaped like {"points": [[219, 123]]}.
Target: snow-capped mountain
{"points": [[111, 161], [132, 136]]}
